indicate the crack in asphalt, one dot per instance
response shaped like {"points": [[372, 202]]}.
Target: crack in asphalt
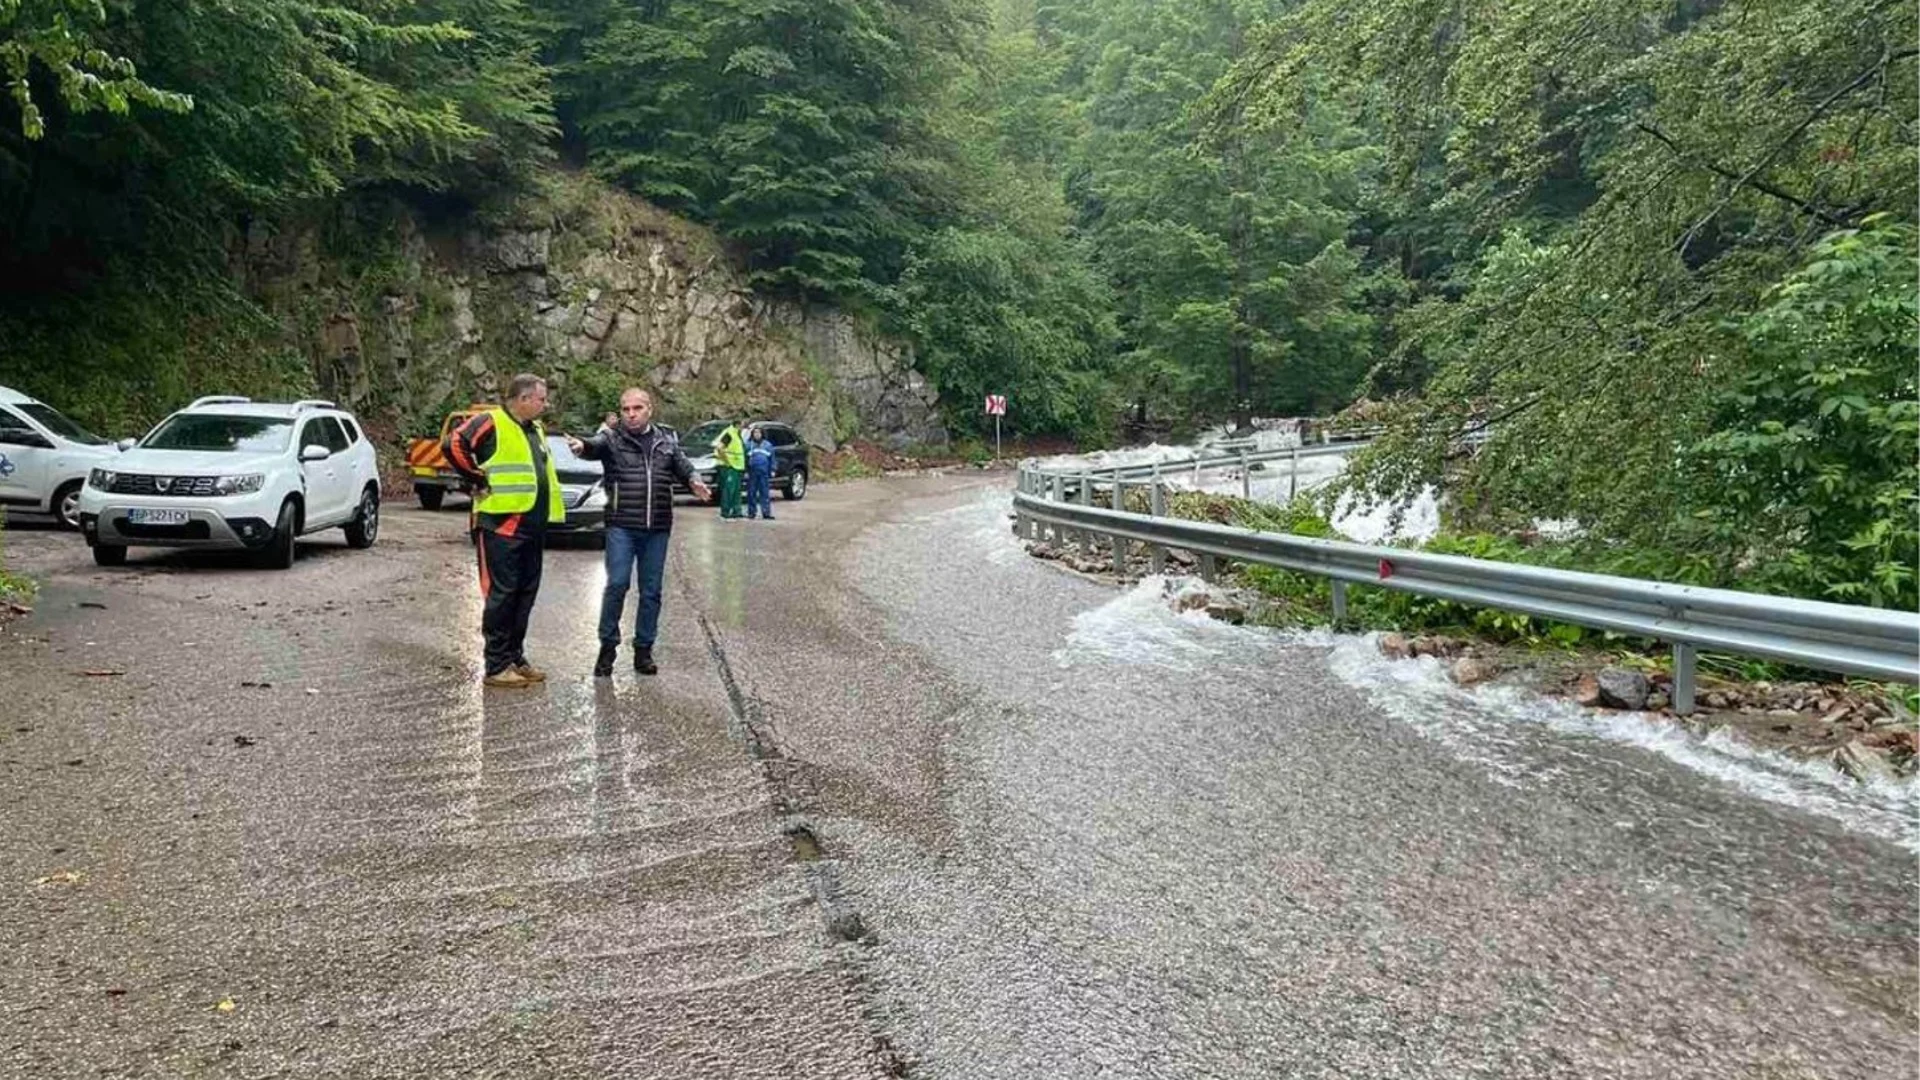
{"points": [[796, 801]]}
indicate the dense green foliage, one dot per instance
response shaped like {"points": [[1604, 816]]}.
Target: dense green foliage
{"points": [[1650, 243], [798, 127], [1238, 290], [1810, 469], [1660, 251]]}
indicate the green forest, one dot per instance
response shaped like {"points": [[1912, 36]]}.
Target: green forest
{"points": [[1661, 252]]}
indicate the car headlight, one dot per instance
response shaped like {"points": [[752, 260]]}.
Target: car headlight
{"points": [[244, 484], [102, 479], [596, 498]]}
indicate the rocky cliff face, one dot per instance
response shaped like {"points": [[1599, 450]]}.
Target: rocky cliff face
{"points": [[406, 316]]}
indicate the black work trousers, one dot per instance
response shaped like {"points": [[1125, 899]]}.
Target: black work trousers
{"points": [[509, 580]]}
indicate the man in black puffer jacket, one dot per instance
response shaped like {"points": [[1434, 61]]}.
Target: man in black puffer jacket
{"points": [[641, 462]]}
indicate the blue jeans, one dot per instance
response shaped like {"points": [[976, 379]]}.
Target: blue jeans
{"points": [[625, 547], [759, 488]]}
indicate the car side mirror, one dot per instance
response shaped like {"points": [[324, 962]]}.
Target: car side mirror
{"points": [[314, 452], [126, 444]]}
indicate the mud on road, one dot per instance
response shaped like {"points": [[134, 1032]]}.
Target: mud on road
{"points": [[902, 801], [266, 823]]}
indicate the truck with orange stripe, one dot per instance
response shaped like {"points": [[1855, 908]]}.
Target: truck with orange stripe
{"points": [[433, 477]]}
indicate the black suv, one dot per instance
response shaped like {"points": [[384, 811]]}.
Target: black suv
{"points": [[790, 467]]}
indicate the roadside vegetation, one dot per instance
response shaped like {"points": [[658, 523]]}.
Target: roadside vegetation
{"points": [[1660, 252], [16, 589], [1295, 600]]}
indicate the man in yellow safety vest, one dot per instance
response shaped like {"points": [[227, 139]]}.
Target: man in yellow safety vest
{"points": [[730, 463], [503, 455]]}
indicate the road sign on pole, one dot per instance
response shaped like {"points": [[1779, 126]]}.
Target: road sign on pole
{"points": [[996, 408]]}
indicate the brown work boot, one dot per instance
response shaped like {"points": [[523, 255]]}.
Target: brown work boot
{"points": [[530, 673], [510, 678]]}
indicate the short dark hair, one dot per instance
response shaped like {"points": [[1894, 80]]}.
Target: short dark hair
{"points": [[522, 385]]}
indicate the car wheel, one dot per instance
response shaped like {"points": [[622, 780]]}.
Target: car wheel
{"points": [[364, 529], [431, 496], [109, 555], [66, 505], [279, 551], [796, 485]]}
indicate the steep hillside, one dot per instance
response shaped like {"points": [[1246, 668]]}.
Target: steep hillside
{"points": [[400, 310]]}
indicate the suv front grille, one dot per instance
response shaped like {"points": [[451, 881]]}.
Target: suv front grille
{"points": [[143, 484], [192, 530]]}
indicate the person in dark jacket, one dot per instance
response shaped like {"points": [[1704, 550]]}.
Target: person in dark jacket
{"points": [[760, 460], [642, 462]]}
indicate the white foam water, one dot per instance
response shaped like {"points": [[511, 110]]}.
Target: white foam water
{"points": [[1275, 484], [1385, 522], [1107, 459], [1140, 628], [1487, 725]]}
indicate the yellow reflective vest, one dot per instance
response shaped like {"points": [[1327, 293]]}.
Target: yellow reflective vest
{"points": [[512, 487], [734, 453]]}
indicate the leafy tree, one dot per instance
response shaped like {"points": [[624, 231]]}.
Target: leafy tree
{"points": [[59, 41], [116, 223], [1628, 180], [1003, 299], [1811, 465], [796, 127], [1227, 249], [290, 101]]}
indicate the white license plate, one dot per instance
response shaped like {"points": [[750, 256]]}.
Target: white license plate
{"points": [[157, 517]]}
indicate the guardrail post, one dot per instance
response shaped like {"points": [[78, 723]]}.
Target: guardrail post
{"points": [[1122, 549], [1088, 541], [1209, 568], [1246, 477], [1293, 473], [1059, 496], [1157, 506], [1684, 657], [1339, 602]]}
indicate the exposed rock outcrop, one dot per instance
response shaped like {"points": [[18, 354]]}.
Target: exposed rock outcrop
{"points": [[591, 288]]}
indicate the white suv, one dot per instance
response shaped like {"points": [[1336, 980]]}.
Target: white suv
{"points": [[45, 457], [229, 472]]}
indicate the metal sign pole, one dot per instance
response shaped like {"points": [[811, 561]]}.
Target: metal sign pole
{"points": [[996, 436]]}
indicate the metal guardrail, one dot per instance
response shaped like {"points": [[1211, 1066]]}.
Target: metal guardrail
{"points": [[1847, 638], [1345, 437], [1243, 459], [1240, 454]]}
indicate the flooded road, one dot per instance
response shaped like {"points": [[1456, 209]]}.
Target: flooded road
{"points": [[901, 802]]}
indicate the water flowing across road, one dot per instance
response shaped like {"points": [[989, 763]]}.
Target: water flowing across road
{"points": [[903, 801]]}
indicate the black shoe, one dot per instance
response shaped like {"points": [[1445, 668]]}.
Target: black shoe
{"points": [[643, 660], [603, 664]]}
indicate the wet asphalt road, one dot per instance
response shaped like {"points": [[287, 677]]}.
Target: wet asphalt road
{"points": [[898, 804]]}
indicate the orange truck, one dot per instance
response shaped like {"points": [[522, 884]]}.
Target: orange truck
{"points": [[433, 477]]}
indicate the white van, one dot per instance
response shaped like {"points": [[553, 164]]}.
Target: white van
{"points": [[45, 458]]}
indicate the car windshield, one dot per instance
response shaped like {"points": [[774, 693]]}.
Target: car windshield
{"points": [[219, 432], [55, 421], [701, 438], [563, 457]]}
